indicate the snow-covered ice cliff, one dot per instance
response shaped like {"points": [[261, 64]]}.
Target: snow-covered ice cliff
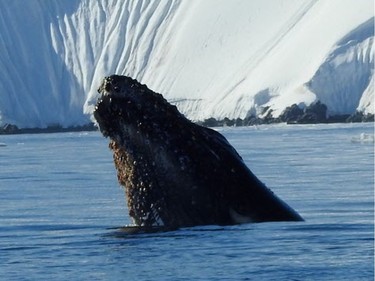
{"points": [[212, 58]]}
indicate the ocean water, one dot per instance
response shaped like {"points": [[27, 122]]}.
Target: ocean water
{"points": [[61, 207]]}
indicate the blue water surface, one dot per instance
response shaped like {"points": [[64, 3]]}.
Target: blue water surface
{"points": [[61, 208]]}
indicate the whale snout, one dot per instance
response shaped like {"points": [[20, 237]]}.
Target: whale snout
{"points": [[109, 84], [121, 87], [115, 104]]}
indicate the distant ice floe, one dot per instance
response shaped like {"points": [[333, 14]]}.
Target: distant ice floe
{"points": [[363, 138]]}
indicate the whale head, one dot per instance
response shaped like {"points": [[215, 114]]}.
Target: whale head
{"points": [[144, 135], [130, 107]]}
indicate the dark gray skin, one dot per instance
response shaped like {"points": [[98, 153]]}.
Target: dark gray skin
{"points": [[177, 173]]}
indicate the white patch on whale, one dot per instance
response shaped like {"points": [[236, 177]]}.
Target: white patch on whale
{"points": [[238, 218]]}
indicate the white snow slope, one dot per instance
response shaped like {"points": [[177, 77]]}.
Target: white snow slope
{"points": [[212, 58]]}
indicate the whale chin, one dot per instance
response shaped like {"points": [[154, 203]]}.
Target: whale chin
{"points": [[177, 173]]}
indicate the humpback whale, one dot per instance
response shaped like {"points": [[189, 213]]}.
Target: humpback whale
{"points": [[175, 172]]}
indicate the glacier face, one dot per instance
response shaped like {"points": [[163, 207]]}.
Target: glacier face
{"points": [[212, 58], [341, 81]]}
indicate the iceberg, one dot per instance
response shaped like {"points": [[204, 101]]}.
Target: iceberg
{"points": [[210, 58]]}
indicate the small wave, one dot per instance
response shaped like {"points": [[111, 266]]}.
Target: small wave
{"points": [[363, 138], [2, 144]]}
